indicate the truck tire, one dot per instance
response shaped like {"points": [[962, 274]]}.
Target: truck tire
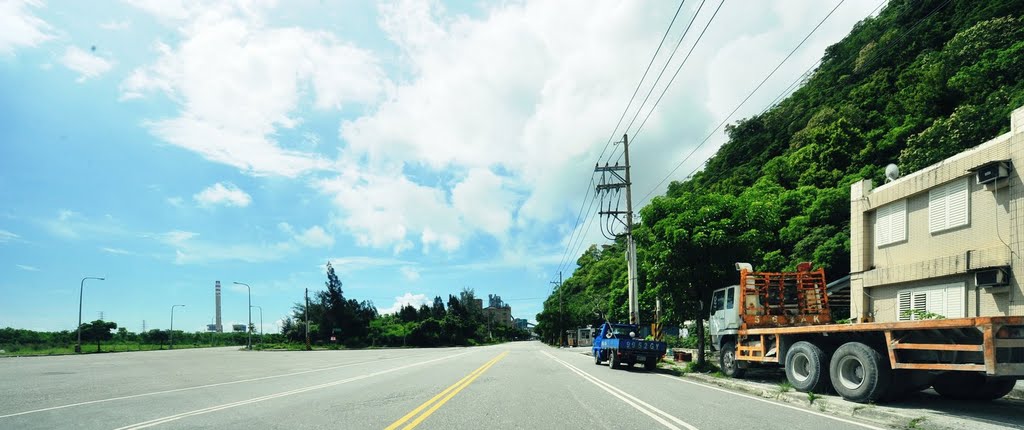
{"points": [[905, 383], [807, 368], [651, 364], [859, 374], [613, 360], [971, 386], [727, 361], [597, 358]]}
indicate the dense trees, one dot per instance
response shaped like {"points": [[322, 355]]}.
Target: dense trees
{"points": [[909, 86], [356, 324]]}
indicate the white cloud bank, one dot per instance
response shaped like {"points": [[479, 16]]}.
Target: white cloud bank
{"points": [[226, 194], [21, 29], [415, 300], [87, 64], [495, 122]]}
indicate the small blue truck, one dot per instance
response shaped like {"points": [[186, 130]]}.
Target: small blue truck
{"points": [[618, 344]]}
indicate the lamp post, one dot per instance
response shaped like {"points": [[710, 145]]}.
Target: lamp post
{"points": [[81, 287], [248, 327], [261, 323], [170, 335]]}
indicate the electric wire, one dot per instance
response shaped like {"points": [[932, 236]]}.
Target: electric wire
{"points": [[724, 121]]}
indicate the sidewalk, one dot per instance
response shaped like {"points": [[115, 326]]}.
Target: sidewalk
{"points": [[925, 410]]}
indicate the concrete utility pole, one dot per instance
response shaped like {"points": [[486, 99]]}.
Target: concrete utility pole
{"points": [[170, 334], [81, 288], [611, 181], [306, 311], [561, 330], [248, 327]]}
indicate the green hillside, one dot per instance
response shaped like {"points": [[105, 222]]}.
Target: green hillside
{"points": [[922, 81]]}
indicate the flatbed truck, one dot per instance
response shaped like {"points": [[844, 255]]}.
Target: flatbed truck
{"points": [[784, 319], [618, 343]]}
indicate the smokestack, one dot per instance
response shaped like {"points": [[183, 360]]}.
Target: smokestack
{"points": [[220, 328]]}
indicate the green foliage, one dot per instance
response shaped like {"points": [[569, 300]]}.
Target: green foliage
{"points": [[777, 192], [918, 314], [97, 331]]}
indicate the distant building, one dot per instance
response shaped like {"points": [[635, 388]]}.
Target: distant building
{"points": [[502, 315], [238, 327], [522, 323], [942, 240]]}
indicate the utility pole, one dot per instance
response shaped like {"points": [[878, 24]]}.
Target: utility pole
{"points": [[306, 311], [561, 331], [612, 181]]}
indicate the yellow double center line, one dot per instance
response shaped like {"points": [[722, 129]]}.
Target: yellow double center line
{"points": [[434, 403]]}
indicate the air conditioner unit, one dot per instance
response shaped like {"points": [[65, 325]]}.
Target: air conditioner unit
{"points": [[992, 172], [992, 277]]}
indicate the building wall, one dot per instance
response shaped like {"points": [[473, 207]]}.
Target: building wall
{"points": [[991, 237], [501, 315]]}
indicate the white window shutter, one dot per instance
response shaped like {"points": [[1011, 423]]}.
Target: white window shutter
{"points": [[937, 209], [903, 305], [955, 301], [891, 223], [957, 197], [936, 302], [898, 222]]}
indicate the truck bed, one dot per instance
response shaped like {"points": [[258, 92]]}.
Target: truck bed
{"points": [[974, 336]]}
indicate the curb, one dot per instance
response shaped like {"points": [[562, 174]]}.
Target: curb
{"points": [[821, 403]]}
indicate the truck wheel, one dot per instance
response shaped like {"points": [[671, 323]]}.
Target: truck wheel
{"points": [[971, 386], [858, 373], [613, 361], [651, 364], [727, 361], [597, 358], [807, 368]]}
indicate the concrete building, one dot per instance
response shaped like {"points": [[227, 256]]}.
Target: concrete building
{"points": [[944, 240], [499, 315]]}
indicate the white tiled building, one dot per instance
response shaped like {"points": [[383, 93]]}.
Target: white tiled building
{"points": [[944, 240]]}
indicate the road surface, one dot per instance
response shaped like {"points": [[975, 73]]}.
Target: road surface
{"points": [[510, 386]]}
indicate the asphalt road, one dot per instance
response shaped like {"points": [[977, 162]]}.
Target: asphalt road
{"points": [[511, 386]]}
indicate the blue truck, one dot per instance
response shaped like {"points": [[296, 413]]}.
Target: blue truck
{"points": [[619, 344]]}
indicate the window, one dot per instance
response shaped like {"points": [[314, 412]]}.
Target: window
{"points": [[948, 206], [891, 223], [730, 298], [718, 301], [946, 300]]}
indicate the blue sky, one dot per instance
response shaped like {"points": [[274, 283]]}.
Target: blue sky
{"points": [[421, 147]]}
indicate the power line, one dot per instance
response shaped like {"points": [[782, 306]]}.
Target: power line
{"points": [[745, 99], [669, 61], [579, 216], [843, 64], [621, 117], [639, 84]]}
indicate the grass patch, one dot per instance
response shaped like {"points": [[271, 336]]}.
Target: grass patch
{"points": [[12, 350], [915, 423], [785, 387], [811, 397]]}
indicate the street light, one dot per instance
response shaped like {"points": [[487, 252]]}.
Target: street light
{"points": [[81, 287], [261, 323], [171, 334], [249, 345]]}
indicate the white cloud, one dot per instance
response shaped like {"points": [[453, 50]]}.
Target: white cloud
{"points": [[238, 81], [118, 251], [6, 236], [226, 194], [20, 27], [416, 300], [189, 250], [116, 25], [285, 227], [354, 263], [315, 237], [175, 201], [87, 64], [410, 273], [27, 268]]}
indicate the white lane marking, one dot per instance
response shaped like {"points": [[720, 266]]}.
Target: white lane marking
{"points": [[176, 417], [197, 387], [636, 403], [771, 402]]}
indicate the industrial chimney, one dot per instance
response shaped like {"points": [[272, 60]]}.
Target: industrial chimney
{"points": [[219, 327]]}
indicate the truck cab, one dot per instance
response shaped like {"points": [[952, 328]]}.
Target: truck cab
{"points": [[724, 322]]}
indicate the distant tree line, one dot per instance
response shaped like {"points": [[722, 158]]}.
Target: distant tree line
{"points": [[354, 323], [107, 336]]}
